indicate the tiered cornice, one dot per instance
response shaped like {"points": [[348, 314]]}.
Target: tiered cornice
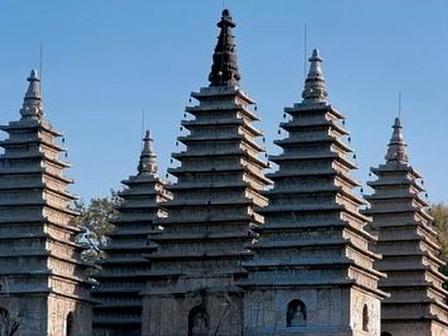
{"points": [[314, 237], [213, 214], [38, 254], [408, 242], [123, 274]]}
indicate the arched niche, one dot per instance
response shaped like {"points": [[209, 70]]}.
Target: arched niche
{"points": [[296, 313]]}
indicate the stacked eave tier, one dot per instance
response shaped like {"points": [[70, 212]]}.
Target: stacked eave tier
{"points": [[219, 185], [408, 242], [137, 214], [313, 232], [35, 212]]}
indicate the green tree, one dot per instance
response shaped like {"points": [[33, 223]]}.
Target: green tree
{"points": [[95, 221], [440, 213]]}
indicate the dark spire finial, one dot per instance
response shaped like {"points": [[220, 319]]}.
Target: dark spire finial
{"points": [[148, 158], [32, 103], [315, 90], [225, 68], [397, 146]]}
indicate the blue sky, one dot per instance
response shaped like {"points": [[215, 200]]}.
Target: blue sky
{"points": [[105, 61]]}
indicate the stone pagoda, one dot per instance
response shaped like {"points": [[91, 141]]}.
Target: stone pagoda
{"points": [[193, 288], [408, 242], [43, 282], [123, 275], [313, 269]]}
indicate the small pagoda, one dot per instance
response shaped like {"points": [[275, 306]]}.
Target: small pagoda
{"points": [[313, 273], [123, 271], [43, 284], [213, 214], [408, 242]]}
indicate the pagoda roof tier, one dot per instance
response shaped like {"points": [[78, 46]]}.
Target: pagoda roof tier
{"points": [[395, 168], [425, 227], [403, 209], [313, 173], [298, 109], [125, 305], [10, 143], [328, 189], [200, 236], [36, 156], [324, 139], [193, 124], [304, 124], [207, 93], [180, 171], [216, 220], [135, 261], [397, 196], [201, 255], [40, 185], [313, 208], [34, 171], [127, 247], [15, 204], [116, 320], [221, 153], [188, 202], [284, 157], [199, 110], [191, 139], [30, 124], [395, 182]]}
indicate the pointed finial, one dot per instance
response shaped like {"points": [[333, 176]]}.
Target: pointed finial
{"points": [[225, 68], [32, 103], [315, 90], [397, 146], [148, 162]]}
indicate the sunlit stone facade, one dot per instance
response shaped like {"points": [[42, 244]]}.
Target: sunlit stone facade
{"points": [[43, 283]]}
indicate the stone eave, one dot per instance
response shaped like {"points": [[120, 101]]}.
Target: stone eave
{"points": [[402, 182], [331, 140], [217, 91], [243, 236], [34, 124], [192, 124], [314, 107], [318, 157], [7, 143], [182, 171], [237, 220], [160, 255], [295, 124], [394, 168]]}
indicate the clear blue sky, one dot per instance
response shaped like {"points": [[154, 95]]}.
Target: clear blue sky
{"points": [[105, 61]]}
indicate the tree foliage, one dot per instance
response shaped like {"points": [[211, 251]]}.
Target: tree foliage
{"points": [[95, 221], [440, 213]]}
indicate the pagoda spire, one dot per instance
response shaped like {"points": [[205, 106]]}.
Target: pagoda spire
{"points": [[397, 146], [315, 90], [32, 103], [225, 68], [148, 162]]}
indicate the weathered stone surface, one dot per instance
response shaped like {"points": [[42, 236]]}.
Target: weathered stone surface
{"points": [[193, 287], [408, 242], [123, 276], [43, 283], [312, 272]]}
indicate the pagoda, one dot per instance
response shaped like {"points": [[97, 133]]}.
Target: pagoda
{"points": [[313, 268], [123, 271], [43, 281], [211, 219], [408, 242]]}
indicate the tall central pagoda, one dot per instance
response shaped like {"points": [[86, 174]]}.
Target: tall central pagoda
{"points": [[212, 217], [43, 283], [313, 268], [408, 242], [123, 275]]}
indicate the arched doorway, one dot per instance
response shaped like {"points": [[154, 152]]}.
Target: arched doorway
{"points": [[198, 321], [385, 333], [69, 325], [365, 318], [296, 314]]}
